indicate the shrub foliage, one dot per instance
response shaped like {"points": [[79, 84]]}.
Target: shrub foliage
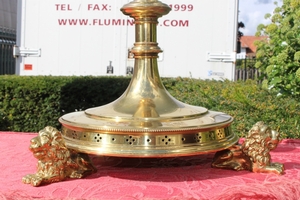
{"points": [[279, 54], [29, 104]]}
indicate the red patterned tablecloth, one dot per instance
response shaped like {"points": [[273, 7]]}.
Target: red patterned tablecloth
{"points": [[184, 178]]}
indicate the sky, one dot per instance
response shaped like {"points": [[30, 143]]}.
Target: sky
{"points": [[252, 12]]}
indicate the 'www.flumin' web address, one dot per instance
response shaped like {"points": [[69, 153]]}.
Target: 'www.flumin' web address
{"points": [[117, 22]]}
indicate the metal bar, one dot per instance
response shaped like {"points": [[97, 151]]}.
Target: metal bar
{"points": [[7, 41]]}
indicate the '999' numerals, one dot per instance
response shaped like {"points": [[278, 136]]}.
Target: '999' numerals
{"points": [[181, 7]]}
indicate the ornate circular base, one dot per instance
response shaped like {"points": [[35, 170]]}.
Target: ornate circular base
{"points": [[170, 139]]}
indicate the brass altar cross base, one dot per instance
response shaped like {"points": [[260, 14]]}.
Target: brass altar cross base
{"points": [[146, 121]]}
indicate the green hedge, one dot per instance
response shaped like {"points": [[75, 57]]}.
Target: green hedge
{"points": [[30, 103]]}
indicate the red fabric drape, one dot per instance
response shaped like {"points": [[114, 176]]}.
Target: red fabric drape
{"points": [[183, 178]]}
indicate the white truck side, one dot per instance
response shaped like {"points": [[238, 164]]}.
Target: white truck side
{"points": [[93, 37]]}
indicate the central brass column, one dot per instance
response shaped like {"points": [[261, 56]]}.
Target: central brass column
{"points": [[146, 121]]}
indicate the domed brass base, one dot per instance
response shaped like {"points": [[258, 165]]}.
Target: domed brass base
{"points": [[146, 121]]}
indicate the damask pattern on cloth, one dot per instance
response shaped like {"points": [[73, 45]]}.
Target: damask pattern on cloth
{"points": [[182, 178]]}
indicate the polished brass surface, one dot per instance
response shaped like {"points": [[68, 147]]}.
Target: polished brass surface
{"points": [[55, 161], [149, 144], [253, 154], [146, 121]]}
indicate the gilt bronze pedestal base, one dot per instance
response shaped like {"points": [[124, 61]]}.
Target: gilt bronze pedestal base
{"points": [[146, 121]]}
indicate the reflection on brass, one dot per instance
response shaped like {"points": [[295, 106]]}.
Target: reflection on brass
{"points": [[253, 154], [146, 121], [146, 109], [55, 161]]}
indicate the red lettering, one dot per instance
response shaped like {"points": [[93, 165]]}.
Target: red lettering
{"points": [[73, 22], [95, 21], [176, 23], [182, 7], [98, 7], [83, 22], [113, 22], [104, 7], [90, 6], [117, 22], [62, 22], [63, 7]]}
